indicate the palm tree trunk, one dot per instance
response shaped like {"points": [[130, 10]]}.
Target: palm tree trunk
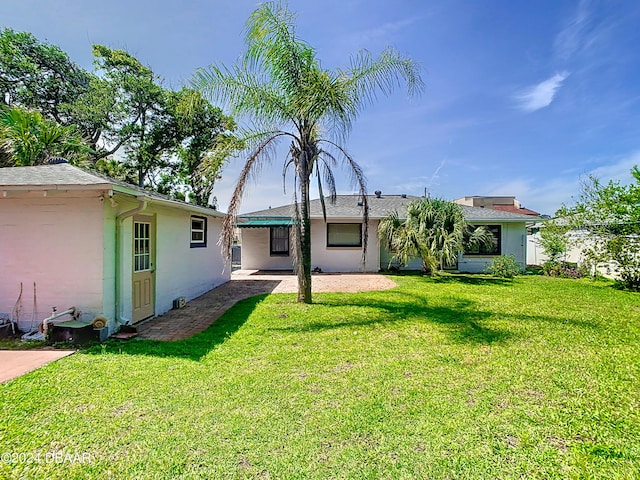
{"points": [[304, 270]]}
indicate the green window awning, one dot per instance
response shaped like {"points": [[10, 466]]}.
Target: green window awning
{"points": [[264, 222]]}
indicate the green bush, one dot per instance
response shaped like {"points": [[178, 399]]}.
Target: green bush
{"points": [[563, 269], [504, 266]]}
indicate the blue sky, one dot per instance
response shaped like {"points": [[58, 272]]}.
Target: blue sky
{"points": [[522, 98]]}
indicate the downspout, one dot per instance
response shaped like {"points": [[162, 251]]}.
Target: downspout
{"points": [[142, 206]]}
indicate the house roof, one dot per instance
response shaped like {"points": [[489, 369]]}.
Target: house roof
{"points": [[63, 176], [514, 209], [346, 207]]}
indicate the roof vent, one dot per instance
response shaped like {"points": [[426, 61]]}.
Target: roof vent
{"points": [[404, 195], [56, 160], [378, 193]]}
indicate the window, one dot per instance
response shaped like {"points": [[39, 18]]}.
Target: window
{"points": [[141, 246], [344, 235], [279, 241], [198, 232], [494, 249]]}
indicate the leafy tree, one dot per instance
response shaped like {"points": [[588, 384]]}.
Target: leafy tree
{"points": [[206, 142], [609, 214], [138, 120], [554, 240], [434, 230], [27, 138], [38, 76], [281, 87]]}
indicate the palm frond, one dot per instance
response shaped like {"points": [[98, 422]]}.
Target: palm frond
{"points": [[251, 167]]}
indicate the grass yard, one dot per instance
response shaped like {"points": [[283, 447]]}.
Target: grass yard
{"points": [[464, 377]]}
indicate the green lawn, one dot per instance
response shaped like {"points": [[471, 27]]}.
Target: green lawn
{"points": [[465, 377]]}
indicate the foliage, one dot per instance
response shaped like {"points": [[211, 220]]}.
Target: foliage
{"points": [[281, 87], [205, 144], [27, 138], [37, 75], [610, 215], [434, 230], [123, 108], [564, 269], [554, 240], [459, 377], [505, 266]]}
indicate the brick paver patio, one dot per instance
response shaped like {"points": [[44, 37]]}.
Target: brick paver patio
{"points": [[201, 312]]}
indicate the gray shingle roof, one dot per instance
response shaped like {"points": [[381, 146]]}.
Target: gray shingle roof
{"points": [[45, 175], [63, 176], [346, 206]]}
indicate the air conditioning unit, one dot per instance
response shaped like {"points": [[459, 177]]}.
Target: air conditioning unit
{"points": [[179, 302]]}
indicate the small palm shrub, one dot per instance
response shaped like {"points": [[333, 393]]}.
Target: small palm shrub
{"points": [[504, 266]]}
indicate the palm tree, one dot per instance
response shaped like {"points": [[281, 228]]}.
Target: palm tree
{"points": [[27, 138], [434, 230], [280, 87]]}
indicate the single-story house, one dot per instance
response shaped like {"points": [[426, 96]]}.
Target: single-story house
{"points": [[70, 237], [337, 244]]}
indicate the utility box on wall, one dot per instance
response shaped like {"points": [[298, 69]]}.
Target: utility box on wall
{"points": [[179, 302]]}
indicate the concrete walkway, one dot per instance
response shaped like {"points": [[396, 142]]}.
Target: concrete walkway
{"points": [[201, 312], [14, 363]]}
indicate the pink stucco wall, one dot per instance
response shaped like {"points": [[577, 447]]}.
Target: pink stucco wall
{"points": [[56, 242]]}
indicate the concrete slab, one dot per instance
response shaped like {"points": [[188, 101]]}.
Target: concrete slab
{"points": [[14, 363]]}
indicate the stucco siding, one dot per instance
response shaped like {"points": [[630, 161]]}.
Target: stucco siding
{"points": [[56, 242], [180, 270], [343, 259], [256, 251]]}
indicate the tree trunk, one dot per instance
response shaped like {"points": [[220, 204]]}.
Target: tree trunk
{"points": [[304, 269]]}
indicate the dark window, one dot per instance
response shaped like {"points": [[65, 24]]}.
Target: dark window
{"points": [[279, 241], [198, 232], [494, 249], [344, 234]]}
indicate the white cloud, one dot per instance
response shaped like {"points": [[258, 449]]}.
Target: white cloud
{"points": [[540, 95], [548, 196], [383, 31], [571, 39]]}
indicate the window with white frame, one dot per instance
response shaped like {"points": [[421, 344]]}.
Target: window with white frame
{"points": [[198, 232]]}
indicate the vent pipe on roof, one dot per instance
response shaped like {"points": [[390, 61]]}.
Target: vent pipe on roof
{"points": [[404, 195], [56, 160], [378, 193]]}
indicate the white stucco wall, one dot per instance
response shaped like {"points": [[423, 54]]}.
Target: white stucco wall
{"points": [[180, 271], [513, 242], [256, 250], [57, 242], [343, 259]]}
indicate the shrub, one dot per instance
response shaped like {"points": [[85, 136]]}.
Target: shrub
{"points": [[504, 266], [563, 269]]}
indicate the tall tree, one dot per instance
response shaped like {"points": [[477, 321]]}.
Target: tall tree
{"points": [[434, 230], [281, 87], [206, 142], [38, 75], [609, 215]]}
